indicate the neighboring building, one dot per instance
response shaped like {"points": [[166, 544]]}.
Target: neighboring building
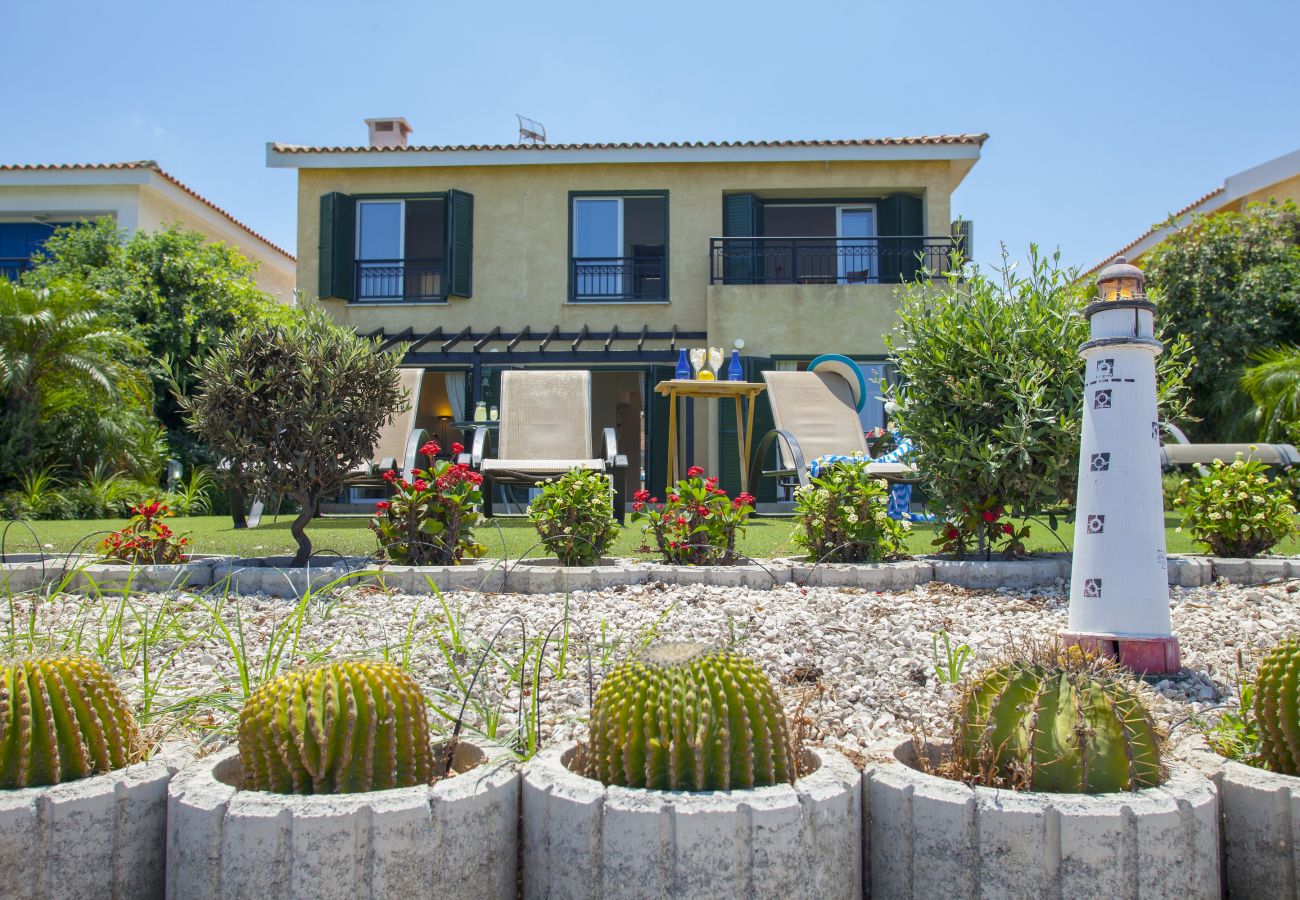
{"points": [[36, 199], [1277, 179], [612, 257]]}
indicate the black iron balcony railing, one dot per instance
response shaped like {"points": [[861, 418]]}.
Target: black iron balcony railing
{"points": [[409, 280], [618, 278], [13, 266], [826, 260]]}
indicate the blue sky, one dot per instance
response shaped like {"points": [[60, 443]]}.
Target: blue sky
{"points": [[1103, 116]]}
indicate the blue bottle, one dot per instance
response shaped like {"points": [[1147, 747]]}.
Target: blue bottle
{"points": [[734, 372], [683, 372]]}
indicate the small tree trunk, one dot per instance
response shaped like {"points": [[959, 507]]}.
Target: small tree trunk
{"points": [[306, 507]]}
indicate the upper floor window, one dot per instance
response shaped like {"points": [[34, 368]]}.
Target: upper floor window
{"points": [[619, 247], [400, 249], [395, 249]]}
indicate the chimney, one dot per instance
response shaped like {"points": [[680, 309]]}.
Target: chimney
{"points": [[389, 132]]}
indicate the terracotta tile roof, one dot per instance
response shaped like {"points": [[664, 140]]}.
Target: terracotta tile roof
{"points": [[976, 139], [157, 169], [1123, 251]]}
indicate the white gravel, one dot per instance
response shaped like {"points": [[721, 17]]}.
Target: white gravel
{"points": [[856, 665]]}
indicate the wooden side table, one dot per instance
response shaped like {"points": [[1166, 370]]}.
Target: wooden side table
{"points": [[712, 390]]}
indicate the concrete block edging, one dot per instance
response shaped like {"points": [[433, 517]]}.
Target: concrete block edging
{"points": [[582, 839]]}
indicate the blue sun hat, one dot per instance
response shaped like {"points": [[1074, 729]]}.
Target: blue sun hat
{"points": [[848, 370]]}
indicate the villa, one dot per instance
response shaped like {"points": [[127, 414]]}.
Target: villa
{"points": [[613, 257], [36, 199]]}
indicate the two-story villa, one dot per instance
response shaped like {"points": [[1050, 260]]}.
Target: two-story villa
{"points": [[613, 257]]}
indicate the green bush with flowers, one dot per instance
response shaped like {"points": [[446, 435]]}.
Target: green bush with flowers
{"points": [[430, 521], [1236, 510], [574, 516], [842, 515], [146, 539], [698, 524], [981, 531]]}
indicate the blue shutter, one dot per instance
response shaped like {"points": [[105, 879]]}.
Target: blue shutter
{"points": [[459, 262], [337, 247], [899, 215]]}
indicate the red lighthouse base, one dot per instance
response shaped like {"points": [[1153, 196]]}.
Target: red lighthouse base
{"points": [[1153, 656]]}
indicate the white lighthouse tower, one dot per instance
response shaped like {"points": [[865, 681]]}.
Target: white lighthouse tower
{"points": [[1119, 583]]}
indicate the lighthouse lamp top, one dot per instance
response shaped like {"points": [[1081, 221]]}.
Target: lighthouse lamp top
{"points": [[1121, 281]]}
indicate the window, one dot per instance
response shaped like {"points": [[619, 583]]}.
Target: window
{"points": [[619, 247], [399, 249], [836, 244]]}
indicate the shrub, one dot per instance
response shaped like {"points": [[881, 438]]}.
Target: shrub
{"points": [[337, 728], [842, 516], [574, 515], [431, 521], [991, 387], [964, 529], [1057, 720], [146, 539], [686, 716], [297, 404], [64, 718], [1236, 510], [698, 524]]}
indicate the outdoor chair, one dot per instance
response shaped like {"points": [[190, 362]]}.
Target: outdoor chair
{"points": [[1183, 453], [399, 442], [545, 431], [815, 416]]}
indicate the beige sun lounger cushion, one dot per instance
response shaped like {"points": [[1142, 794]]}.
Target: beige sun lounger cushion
{"points": [[541, 465], [817, 408], [390, 449], [545, 419]]}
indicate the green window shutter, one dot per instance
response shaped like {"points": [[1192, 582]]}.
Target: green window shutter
{"points": [[741, 217], [728, 457], [656, 457], [337, 248], [899, 215], [763, 423], [458, 264]]}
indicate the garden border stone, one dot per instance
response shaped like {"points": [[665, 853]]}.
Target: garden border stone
{"points": [[1015, 574], [903, 575], [457, 837], [94, 837], [584, 840], [933, 837]]}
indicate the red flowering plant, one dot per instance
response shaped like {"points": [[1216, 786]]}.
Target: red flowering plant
{"points": [[146, 539], [981, 531], [430, 521], [697, 525]]}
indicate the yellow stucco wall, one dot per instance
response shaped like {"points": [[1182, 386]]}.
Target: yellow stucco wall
{"points": [[1283, 190], [521, 246]]}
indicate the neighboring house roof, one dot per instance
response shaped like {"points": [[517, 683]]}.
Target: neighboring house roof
{"points": [[1234, 187], [943, 146], [151, 166]]}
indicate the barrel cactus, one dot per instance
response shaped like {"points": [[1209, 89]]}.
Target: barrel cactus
{"points": [[337, 728], [1277, 707], [1059, 721], [688, 716], [62, 718]]}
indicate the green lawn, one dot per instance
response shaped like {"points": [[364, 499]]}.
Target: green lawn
{"points": [[350, 536]]}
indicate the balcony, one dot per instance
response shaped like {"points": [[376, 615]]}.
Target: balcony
{"points": [[602, 279], [826, 260], [399, 281]]}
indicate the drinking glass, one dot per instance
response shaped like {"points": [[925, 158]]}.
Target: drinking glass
{"points": [[715, 360], [698, 355]]}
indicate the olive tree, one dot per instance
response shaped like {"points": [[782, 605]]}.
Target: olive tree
{"points": [[991, 389], [296, 404]]}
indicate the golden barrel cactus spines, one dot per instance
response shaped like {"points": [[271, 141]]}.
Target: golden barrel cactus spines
{"points": [[688, 716], [338, 728], [62, 718], [1277, 707], [1057, 721]]}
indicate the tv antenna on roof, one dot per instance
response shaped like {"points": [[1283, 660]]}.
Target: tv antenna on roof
{"points": [[530, 131]]}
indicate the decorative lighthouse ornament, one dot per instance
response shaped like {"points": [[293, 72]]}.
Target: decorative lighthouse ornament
{"points": [[1119, 583]]}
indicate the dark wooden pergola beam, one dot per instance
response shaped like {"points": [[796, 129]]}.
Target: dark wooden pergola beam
{"points": [[377, 333], [672, 344], [640, 343], [582, 336], [396, 339], [490, 336], [613, 336], [555, 330], [447, 345], [434, 335], [514, 341]]}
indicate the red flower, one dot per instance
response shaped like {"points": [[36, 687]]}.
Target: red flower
{"points": [[457, 448], [950, 533], [988, 516], [711, 480], [702, 510], [382, 506], [745, 498], [638, 505], [1006, 528], [673, 498], [694, 472], [643, 495], [389, 475], [421, 484], [430, 449], [404, 484], [681, 520]]}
